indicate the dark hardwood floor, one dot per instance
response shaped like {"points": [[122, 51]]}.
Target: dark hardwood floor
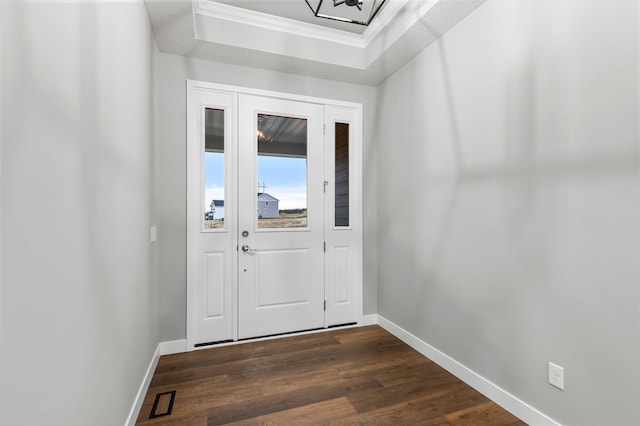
{"points": [[359, 376]]}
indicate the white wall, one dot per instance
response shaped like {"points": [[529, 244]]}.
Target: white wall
{"points": [[508, 162], [78, 318], [172, 72]]}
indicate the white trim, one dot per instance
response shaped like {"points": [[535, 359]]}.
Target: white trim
{"points": [[163, 348], [297, 28], [192, 129], [509, 402], [195, 85], [276, 23], [172, 347], [391, 7], [371, 319], [492, 391], [142, 391]]}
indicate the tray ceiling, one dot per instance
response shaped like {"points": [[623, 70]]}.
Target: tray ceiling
{"points": [[283, 35], [292, 9]]}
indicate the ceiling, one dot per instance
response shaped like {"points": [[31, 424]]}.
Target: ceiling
{"points": [[283, 35], [295, 10]]}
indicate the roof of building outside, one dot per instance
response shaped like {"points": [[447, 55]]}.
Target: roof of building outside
{"points": [[264, 195]]}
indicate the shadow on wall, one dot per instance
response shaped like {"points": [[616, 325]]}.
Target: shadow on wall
{"points": [[508, 214]]}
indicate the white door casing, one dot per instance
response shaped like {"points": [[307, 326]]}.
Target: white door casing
{"points": [[220, 304]]}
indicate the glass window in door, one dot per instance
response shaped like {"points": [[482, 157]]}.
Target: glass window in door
{"points": [[281, 195], [342, 174], [213, 208]]}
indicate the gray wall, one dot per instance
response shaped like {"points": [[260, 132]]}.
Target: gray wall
{"points": [[515, 138], [78, 300], [172, 71], [508, 162]]}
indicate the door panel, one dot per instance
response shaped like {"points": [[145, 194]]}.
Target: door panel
{"points": [[343, 230], [214, 285], [282, 278], [281, 273], [340, 281], [211, 230]]}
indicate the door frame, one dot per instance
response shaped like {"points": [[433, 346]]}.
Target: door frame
{"points": [[334, 111]]}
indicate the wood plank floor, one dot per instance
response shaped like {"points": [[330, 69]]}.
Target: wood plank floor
{"points": [[355, 376]]}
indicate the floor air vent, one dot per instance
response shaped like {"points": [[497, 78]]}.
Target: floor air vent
{"points": [[164, 403]]}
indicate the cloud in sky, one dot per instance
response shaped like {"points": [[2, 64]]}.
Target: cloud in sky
{"points": [[290, 197]]}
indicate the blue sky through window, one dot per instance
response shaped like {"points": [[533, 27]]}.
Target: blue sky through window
{"points": [[213, 178], [285, 177]]}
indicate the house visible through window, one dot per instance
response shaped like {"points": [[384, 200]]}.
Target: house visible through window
{"points": [[282, 164], [214, 169]]}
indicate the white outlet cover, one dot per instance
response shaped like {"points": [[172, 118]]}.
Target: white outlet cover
{"points": [[556, 376], [153, 234]]}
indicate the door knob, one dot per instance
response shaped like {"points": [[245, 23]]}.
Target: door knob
{"points": [[247, 249]]}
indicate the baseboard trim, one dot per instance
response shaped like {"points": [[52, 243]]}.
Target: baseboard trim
{"points": [[369, 320], [516, 406], [163, 348], [142, 391], [172, 347]]}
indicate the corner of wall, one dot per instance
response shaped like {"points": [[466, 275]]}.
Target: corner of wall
{"points": [[142, 390], [1, 256], [369, 204], [153, 186], [163, 348], [509, 402]]}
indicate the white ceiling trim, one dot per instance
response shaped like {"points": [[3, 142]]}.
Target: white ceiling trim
{"points": [[390, 9], [275, 23], [278, 36], [297, 28], [188, 28]]}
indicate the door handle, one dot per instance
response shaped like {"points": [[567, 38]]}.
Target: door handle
{"points": [[247, 249]]}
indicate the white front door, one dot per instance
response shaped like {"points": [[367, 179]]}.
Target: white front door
{"points": [[280, 216], [274, 235]]}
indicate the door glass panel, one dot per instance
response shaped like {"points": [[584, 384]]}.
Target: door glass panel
{"points": [[214, 169], [342, 175], [282, 172]]}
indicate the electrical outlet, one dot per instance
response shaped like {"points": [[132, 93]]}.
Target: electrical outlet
{"points": [[153, 234], [556, 376]]}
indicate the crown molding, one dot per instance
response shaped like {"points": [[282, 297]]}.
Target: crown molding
{"points": [[276, 23], [296, 28], [389, 10], [390, 43]]}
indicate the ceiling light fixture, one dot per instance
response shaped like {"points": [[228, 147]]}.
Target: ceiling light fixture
{"points": [[359, 12]]}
